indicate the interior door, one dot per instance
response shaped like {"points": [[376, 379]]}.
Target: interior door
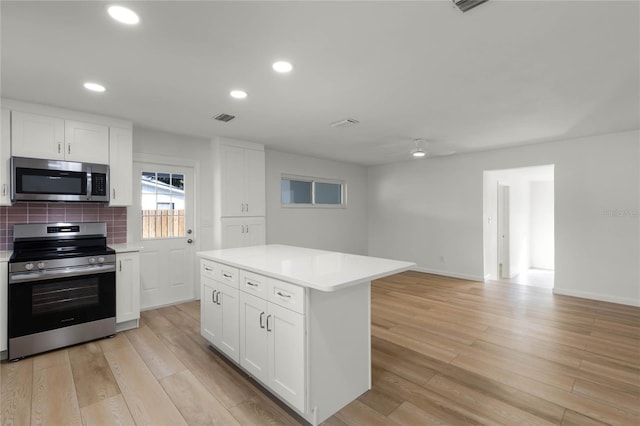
{"points": [[503, 231], [164, 210]]}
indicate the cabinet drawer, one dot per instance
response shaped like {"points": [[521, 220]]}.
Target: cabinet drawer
{"points": [[228, 275], [287, 295], [208, 268], [253, 284], [219, 272]]}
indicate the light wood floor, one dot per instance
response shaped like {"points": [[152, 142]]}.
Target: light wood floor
{"points": [[445, 351]]}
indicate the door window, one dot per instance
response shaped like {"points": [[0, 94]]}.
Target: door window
{"points": [[163, 206]]}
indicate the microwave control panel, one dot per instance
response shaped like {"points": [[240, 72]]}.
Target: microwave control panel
{"points": [[98, 184]]}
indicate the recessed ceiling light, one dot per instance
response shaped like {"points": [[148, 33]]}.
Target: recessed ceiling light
{"points": [[94, 87], [282, 66], [238, 94], [123, 14]]}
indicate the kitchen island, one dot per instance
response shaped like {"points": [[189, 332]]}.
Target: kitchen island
{"points": [[298, 320]]}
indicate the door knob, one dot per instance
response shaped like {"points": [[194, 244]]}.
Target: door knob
{"points": [[189, 241], [189, 231]]}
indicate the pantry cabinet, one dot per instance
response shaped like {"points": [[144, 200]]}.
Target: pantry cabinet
{"points": [[121, 166], [5, 156], [42, 136], [243, 232], [242, 180]]}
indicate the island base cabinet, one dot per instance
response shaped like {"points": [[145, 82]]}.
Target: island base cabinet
{"points": [[219, 316], [285, 345], [253, 336]]}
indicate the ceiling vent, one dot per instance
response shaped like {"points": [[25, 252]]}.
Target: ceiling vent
{"points": [[345, 123], [225, 118], [465, 5]]}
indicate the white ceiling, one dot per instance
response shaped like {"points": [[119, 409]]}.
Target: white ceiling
{"points": [[507, 72]]}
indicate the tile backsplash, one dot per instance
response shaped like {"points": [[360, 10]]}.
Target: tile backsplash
{"points": [[115, 217]]}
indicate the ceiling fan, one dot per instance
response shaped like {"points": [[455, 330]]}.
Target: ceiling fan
{"points": [[420, 148]]}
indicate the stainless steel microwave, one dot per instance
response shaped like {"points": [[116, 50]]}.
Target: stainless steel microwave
{"points": [[34, 179]]}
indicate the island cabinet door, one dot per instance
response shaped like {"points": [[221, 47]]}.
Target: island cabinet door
{"points": [[286, 354], [227, 301], [253, 335], [210, 315]]}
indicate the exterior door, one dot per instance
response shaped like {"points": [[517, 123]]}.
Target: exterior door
{"points": [[163, 222]]}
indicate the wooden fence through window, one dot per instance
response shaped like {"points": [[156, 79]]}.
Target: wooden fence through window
{"points": [[162, 223]]}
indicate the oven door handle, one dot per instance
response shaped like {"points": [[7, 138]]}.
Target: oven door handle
{"points": [[19, 277]]}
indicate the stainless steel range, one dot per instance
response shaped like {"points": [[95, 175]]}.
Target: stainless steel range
{"points": [[62, 286]]}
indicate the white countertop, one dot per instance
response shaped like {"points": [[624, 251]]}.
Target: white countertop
{"points": [[126, 247], [317, 269], [5, 255]]}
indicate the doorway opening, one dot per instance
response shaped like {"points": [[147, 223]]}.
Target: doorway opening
{"points": [[518, 226]]}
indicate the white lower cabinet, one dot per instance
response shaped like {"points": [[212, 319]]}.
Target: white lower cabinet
{"points": [[4, 325], [243, 232], [285, 354], [219, 316], [127, 286], [265, 337], [272, 347]]}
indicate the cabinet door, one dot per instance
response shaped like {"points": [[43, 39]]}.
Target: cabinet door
{"points": [[127, 286], [254, 232], [86, 142], [210, 315], [3, 305], [233, 233], [37, 136], [255, 183], [232, 181], [229, 329], [286, 354], [5, 155], [253, 335], [121, 166]]}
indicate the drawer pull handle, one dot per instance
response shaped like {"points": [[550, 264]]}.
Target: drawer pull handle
{"points": [[252, 284], [261, 319], [268, 329], [208, 269], [281, 294], [226, 275]]}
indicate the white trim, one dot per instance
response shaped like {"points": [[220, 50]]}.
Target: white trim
{"points": [[165, 160], [65, 114], [597, 296], [448, 274]]}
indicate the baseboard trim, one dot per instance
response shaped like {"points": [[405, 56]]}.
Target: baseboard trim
{"points": [[448, 274], [597, 296]]}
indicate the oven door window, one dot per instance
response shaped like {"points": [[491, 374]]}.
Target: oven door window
{"points": [[46, 305]]}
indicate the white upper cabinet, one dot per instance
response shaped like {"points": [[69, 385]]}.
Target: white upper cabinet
{"points": [[5, 155], [121, 166], [37, 136], [243, 181], [53, 138], [86, 142]]}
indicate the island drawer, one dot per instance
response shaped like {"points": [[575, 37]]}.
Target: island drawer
{"points": [[253, 284], [219, 272], [287, 295]]}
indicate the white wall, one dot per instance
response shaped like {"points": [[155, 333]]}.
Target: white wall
{"points": [[422, 210], [343, 230], [542, 226], [181, 149]]}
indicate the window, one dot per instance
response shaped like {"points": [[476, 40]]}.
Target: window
{"points": [[162, 205], [299, 191]]}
